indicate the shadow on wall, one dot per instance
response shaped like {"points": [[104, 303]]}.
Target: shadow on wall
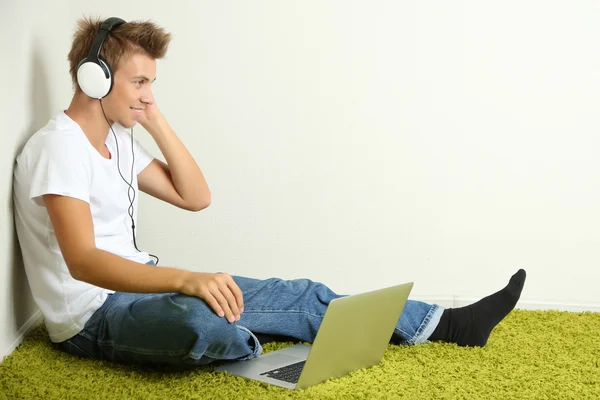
{"points": [[39, 115]]}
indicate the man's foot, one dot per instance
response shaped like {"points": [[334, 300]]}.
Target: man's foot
{"points": [[472, 325]]}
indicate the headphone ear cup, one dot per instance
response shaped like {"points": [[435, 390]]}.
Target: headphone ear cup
{"points": [[94, 79]]}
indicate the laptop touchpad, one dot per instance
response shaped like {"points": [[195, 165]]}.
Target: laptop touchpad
{"points": [[276, 359]]}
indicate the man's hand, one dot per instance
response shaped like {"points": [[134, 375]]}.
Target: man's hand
{"points": [[151, 117], [218, 290]]}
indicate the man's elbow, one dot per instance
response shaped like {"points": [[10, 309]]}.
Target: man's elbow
{"points": [[200, 205], [77, 263]]}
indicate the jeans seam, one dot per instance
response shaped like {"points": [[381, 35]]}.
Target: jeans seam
{"points": [[110, 298], [402, 331], [284, 311], [180, 352], [138, 350], [84, 334], [79, 348]]}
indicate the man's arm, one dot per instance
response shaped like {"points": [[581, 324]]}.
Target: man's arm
{"points": [[73, 226], [180, 181]]}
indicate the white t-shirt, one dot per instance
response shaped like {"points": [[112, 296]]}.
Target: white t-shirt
{"points": [[59, 159]]}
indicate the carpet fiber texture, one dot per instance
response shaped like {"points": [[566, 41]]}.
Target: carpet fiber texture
{"points": [[530, 355]]}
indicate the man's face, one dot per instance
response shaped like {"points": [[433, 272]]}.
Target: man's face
{"points": [[131, 90]]}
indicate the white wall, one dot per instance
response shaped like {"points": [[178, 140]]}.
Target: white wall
{"points": [[356, 143]]}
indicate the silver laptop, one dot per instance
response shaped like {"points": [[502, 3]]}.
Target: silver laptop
{"points": [[354, 334]]}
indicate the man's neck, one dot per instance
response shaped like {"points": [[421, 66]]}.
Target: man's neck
{"points": [[87, 113]]}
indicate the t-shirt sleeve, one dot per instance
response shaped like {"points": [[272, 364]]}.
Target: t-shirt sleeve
{"points": [[142, 157], [58, 166]]}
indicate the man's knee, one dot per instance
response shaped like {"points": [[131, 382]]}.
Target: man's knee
{"points": [[214, 336], [196, 316]]}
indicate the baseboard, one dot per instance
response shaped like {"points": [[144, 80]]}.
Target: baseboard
{"points": [[461, 301], [547, 305], [31, 323]]}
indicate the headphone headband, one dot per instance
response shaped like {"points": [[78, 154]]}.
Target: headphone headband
{"points": [[105, 27]]}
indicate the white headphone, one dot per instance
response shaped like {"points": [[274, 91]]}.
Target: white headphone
{"points": [[94, 75]]}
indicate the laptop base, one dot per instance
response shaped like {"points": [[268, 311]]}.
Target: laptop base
{"points": [[266, 362]]}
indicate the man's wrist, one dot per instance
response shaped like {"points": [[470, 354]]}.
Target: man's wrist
{"points": [[183, 277], [157, 126]]}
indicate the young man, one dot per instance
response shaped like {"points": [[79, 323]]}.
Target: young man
{"points": [[100, 296]]}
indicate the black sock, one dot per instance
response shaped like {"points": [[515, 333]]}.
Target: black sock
{"points": [[472, 325]]}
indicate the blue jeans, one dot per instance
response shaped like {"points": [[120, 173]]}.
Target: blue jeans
{"points": [[177, 329]]}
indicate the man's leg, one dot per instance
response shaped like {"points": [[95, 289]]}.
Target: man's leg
{"points": [[161, 329], [293, 309]]}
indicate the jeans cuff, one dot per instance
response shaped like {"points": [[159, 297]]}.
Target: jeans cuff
{"points": [[430, 322], [257, 347]]}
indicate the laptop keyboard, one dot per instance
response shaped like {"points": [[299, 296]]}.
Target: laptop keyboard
{"points": [[289, 373]]}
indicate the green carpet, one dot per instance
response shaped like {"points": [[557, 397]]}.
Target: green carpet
{"points": [[530, 355]]}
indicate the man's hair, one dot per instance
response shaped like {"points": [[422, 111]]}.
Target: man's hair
{"points": [[137, 37]]}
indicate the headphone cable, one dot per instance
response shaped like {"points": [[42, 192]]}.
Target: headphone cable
{"points": [[131, 199]]}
